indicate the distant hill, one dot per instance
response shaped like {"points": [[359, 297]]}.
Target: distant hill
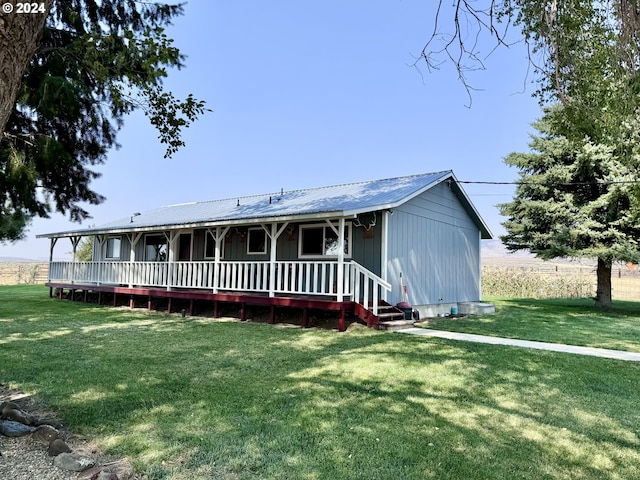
{"points": [[496, 249]]}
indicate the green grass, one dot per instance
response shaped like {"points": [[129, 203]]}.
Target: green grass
{"points": [[570, 321], [197, 399]]}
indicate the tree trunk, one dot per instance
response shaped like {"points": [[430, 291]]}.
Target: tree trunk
{"points": [[19, 36], [603, 290]]}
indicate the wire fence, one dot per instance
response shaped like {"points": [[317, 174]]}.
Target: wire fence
{"points": [[538, 279], [501, 277], [16, 273]]}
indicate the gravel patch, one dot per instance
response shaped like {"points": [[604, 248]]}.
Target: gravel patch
{"points": [[23, 458]]}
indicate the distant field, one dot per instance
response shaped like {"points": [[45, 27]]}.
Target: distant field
{"points": [[625, 281], [15, 273]]}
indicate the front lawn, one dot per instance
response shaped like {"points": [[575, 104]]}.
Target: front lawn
{"points": [[196, 398], [570, 321]]}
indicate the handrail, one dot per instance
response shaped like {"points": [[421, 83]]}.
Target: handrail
{"points": [[291, 277], [367, 287]]}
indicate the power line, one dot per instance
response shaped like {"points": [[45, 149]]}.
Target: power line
{"points": [[552, 184]]}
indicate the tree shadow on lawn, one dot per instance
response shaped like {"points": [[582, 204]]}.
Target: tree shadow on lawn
{"points": [[570, 321], [254, 400]]}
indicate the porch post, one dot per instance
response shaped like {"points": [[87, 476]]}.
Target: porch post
{"points": [[273, 244], [101, 256], [218, 237], [133, 241], [273, 234], [54, 240], [173, 241], [74, 242], [340, 272]]}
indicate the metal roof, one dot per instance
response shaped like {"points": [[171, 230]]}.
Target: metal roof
{"points": [[322, 202]]}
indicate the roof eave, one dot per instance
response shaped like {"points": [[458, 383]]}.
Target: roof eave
{"points": [[192, 225]]}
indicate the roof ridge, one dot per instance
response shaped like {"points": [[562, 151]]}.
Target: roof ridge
{"points": [[283, 191]]}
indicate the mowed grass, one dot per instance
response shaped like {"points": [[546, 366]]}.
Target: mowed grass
{"points": [[571, 321], [198, 399]]}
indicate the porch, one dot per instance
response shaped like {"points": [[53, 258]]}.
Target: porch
{"points": [[344, 287]]}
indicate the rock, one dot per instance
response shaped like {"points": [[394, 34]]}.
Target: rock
{"points": [[90, 473], [56, 447], [98, 473], [52, 422], [14, 429], [8, 406], [73, 462], [19, 416], [120, 470], [45, 434], [355, 326], [123, 469], [12, 411], [107, 476]]}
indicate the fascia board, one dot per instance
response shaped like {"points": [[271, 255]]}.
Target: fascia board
{"points": [[188, 226]]}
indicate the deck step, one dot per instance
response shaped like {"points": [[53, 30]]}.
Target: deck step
{"points": [[396, 324], [391, 316]]}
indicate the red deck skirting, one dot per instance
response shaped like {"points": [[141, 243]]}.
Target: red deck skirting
{"points": [[242, 299]]}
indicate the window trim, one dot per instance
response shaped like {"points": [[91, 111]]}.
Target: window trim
{"points": [[264, 233], [115, 255], [348, 236]]}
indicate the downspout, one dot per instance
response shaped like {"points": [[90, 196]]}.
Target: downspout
{"points": [[384, 252], [479, 265]]}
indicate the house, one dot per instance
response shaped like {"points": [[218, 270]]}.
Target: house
{"points": [[354, 248]]}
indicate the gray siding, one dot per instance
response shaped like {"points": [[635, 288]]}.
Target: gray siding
{"points": [[436, 246], [366, 251]]}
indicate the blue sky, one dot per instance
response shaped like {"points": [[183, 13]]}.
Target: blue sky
{"points": [[308, 94]]}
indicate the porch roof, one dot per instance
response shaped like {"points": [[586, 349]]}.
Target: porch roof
{"points": [[321, 202]]}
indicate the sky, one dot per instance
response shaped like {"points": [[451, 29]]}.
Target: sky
{"points": [[309, 94]]}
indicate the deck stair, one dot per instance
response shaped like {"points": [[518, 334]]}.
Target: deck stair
{"points": [[388, 317]]}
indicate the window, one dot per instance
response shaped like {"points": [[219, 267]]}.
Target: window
{"points": [[257, 241], [184, 247], [322, 241], [113, 248], [210, 246], [155, 248]]}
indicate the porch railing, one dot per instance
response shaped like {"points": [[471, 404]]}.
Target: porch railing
{"points": [[289, 277]]}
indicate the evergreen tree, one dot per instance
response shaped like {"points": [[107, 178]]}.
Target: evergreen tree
{"points": [[575, 198], [96, 61]]}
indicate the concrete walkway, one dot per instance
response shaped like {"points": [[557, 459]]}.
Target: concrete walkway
{"points": [[554, 347]]}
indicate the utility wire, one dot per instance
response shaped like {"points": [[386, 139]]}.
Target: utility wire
{"points": [[565, 184]]}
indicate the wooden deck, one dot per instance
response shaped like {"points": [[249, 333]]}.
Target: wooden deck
{"points": [[138, 295]]}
